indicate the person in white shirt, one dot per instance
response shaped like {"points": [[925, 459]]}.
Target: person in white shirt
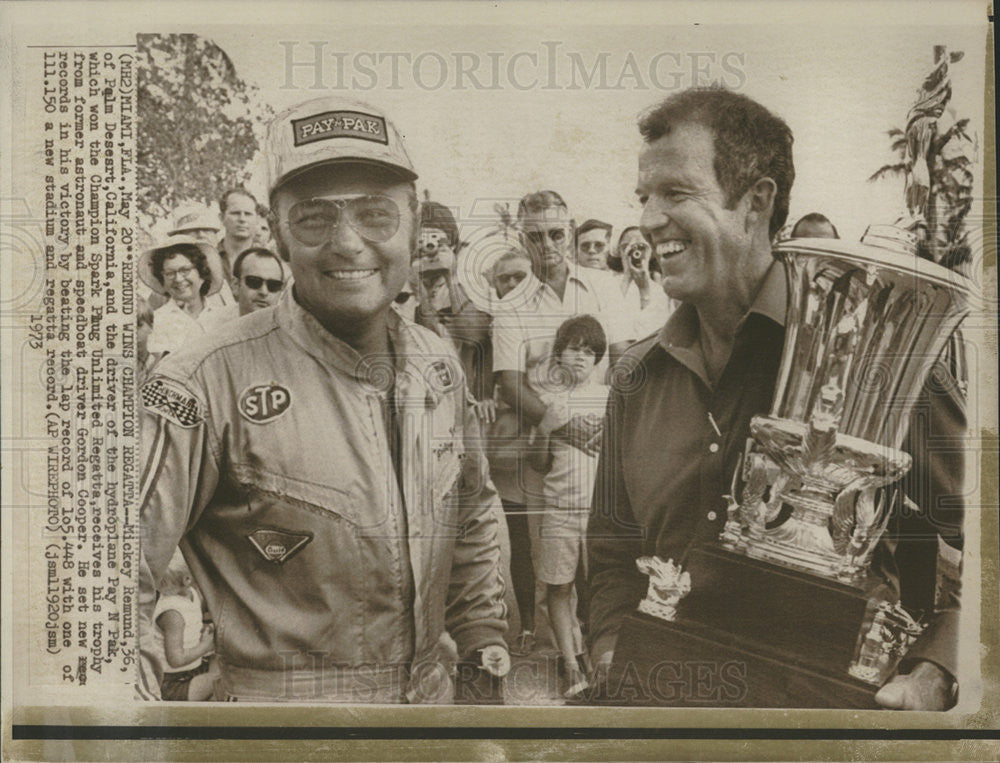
{"points": [[185, 270], [240, 223], [526, 320], [188, 641]]}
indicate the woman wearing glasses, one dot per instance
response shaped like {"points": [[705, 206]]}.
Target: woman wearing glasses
{"points": [[186, 271]]}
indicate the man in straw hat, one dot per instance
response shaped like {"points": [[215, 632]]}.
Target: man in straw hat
{"points": [[197, 222], [310, 460]]}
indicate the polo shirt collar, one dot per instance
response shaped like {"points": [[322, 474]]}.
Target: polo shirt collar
{"points": [[679, 337], [772, 299]]}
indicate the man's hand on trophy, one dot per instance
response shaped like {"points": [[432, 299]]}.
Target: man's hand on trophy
{"points": [[926, 687]]}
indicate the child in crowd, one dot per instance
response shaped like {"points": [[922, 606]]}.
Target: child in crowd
{"points": [[579, 345], [187, 641]]}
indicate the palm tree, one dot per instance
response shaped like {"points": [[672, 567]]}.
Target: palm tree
{"points": [[941, 198]]}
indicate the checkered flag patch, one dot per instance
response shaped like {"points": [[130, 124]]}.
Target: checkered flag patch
{"points": [[171, 401]]}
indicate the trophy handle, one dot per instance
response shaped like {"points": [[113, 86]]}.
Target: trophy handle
{"points": [[859, 520]]}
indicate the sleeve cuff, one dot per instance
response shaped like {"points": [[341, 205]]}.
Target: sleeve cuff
{"points": [[478, 637], [938, 644]]}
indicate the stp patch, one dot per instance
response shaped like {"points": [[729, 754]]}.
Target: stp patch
{"points": [[261, 403], [278, 546]]}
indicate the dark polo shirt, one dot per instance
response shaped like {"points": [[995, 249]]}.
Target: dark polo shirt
{"points": [[672, 443]]}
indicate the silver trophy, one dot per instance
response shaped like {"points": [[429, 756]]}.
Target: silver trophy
{"points": [[866, 321]]}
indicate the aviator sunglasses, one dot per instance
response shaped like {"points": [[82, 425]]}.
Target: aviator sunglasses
{"points": [[313, 221], [593, 247]]}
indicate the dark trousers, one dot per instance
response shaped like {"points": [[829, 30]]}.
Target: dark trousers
{"points": [[522, 570]]}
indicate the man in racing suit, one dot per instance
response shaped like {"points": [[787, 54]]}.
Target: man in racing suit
{"points": [[310, 460]]}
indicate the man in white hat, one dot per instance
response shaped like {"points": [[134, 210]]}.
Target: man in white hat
{"points": [[311, 460], [196, 222]]}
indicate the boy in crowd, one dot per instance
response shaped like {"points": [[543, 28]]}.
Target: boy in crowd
{"points": [[568, 482]]}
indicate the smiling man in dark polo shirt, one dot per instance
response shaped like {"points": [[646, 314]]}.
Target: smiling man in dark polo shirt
{"points": [[715, 173]]}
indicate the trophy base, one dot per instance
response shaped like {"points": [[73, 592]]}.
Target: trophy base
{"points": [[664, 664], [767, 636]]}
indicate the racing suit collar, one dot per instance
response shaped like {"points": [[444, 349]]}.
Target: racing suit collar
{"points": [[310, 335]]}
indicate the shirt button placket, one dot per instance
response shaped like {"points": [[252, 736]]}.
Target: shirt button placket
{"points": [[714, 466]]}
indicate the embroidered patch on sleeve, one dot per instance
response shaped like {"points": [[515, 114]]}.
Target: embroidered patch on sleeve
{"points": [[172, 401], [441, 376], [278, 546]]}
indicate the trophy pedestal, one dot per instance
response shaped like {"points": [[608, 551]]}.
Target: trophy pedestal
{"points": [[749, 634]]}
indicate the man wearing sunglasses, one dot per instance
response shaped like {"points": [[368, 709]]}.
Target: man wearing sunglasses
{"points": [[258, 278], [312, 463], [524, 328], [593, 240]]}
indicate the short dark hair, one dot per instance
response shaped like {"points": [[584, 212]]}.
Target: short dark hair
{"points": [[749, 141], [259, 251], [224, 199], [539, 201], [581, 331], [588, 225], [816, 219], [192, 252]]}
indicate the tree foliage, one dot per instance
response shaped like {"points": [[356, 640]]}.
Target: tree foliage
{"points": [[943, 235], [199, 123]]}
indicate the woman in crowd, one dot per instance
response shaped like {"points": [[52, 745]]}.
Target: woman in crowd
{"points": [[638, 275], [186, 270]]}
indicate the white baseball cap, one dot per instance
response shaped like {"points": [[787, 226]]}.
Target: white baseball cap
{"points": [[332, 129]]}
